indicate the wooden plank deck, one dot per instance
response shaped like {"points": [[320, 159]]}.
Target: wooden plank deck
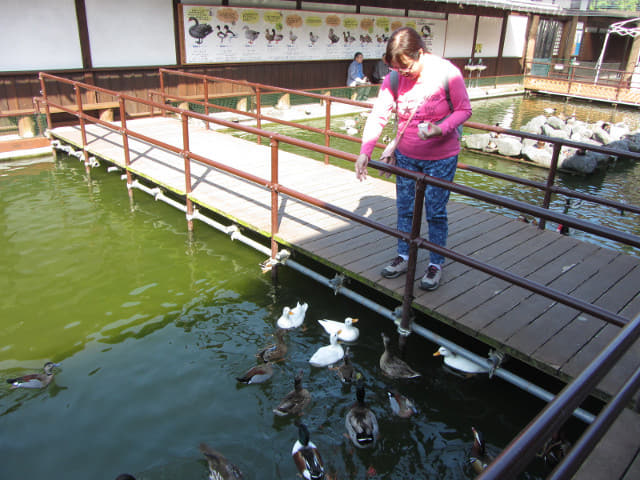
{"points": [[552, 337]]}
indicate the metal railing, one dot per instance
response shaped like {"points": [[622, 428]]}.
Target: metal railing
{"points": [[513, 459]]}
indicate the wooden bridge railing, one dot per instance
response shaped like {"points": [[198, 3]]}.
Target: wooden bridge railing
{"points": [[572, 395]]}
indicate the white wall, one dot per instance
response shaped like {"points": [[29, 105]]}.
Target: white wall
{"points": [[459, 41], [39, 35], [515, 37], [126, 33], [488, 39]]}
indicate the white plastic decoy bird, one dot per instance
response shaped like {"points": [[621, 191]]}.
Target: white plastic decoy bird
{"points": [[329, 354], [348, 333], [459, 363]]}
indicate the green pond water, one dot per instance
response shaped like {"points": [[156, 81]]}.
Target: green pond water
{"points": [[152, 324]]}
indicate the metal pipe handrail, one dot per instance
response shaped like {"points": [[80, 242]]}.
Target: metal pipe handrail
{"points": [[520, 451]]}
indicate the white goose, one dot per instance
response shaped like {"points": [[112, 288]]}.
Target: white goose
{"points": [[459, 363], [348, 333], [329, 354], [292, 317]]}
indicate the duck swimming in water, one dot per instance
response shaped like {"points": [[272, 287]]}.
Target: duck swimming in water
{"points": [[401, 405], [219, 467], [295, 401], [306, 455], [348, 333], [35, 380], [275, 351], [257, 374], [361, 423], [329, 354], [393, 366], [478, 457], [292, 317], [346, 372]]}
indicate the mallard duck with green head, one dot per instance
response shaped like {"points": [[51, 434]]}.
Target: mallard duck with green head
{"points": [[306, 455], [361, 422]]}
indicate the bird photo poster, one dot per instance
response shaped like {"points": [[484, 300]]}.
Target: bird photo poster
{"points": [[227, 34]]}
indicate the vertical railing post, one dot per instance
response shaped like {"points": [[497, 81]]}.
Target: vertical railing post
{"points": [[258, 113], [404, 328], [550, 181], [274, 204], [327, 128], [164, 101], [83, 130], [125, 144], [187, 169], [206, 99], [43, 92]]}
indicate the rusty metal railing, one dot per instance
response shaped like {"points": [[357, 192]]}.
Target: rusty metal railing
{"points": [[558, 410]]}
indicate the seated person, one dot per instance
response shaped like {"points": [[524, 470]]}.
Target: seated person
{"points": [[379, 71], [356, 77]]}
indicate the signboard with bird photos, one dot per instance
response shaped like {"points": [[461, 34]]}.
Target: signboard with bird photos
{"points": [[214, 34]]}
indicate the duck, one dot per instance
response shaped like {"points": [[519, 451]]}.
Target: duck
{"points": [[219, 467], [295, 401], [125, 476], [459, 363], [333, 38], [277, 37], [292, 37], [361, 423], [35, 380], [275, 351], [400, 405], [228, 32], [348, 333], [257, 374], [393, 366], [292, 317], [329, 354], [269, 35], [199, 30], [306, 455], [313, 38], [249, 34], [220, 34], [555, 449], [346, 371], [478, 457]]}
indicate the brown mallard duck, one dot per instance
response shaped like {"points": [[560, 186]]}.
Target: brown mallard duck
{"points": [[393, 366], [219, 467], [347, 372], [275, 351], [295, 401]]}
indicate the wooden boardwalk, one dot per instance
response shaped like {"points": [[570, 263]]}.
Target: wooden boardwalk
{"points": [[553, 338]]}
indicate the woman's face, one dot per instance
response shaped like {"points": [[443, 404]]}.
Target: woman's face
{"points": [[407, 66]]}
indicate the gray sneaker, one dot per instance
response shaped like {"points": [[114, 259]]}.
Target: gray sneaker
{"points": [[431, 279], [395, 268]]}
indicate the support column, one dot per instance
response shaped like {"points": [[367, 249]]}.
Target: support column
{"points": [[534, 21]]}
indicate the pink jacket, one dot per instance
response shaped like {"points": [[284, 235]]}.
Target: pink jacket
{"points": [[426, 93]]}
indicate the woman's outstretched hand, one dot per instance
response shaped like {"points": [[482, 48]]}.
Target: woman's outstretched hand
{"points": [[361, 166]]}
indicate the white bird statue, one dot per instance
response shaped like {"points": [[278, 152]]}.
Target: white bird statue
{"points": [[292, 317], [329, 354], [348, 333], [459, 363]]}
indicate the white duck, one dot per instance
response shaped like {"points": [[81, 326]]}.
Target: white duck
{"points": [[329, 354], [292, 317], [348, 333], [459, 363]]}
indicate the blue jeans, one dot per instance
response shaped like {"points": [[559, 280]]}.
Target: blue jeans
{"points": [[435, 200]]}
